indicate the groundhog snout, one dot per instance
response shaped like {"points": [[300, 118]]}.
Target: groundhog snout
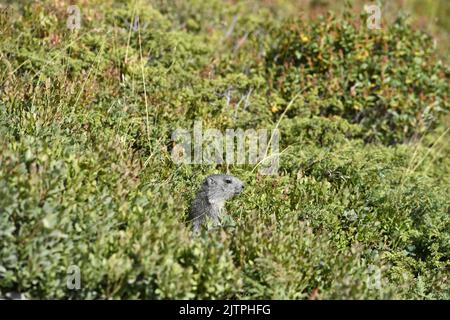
{"points": [[240, 188]]}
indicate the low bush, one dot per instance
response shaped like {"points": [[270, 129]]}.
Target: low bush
{"points": [[359, 208]]}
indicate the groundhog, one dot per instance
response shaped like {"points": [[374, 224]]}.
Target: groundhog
{"points": [[210, 199]]}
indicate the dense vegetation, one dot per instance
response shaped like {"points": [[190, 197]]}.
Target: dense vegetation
{"points": [[359, 209]]}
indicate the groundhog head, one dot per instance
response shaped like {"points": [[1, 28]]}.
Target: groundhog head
{"points": [[221, 187]]}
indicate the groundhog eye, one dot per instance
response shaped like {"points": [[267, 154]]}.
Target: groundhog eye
{"points": [[228, 181]]}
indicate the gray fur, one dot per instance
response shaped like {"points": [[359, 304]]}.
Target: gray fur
{"points": [[210, 199]]}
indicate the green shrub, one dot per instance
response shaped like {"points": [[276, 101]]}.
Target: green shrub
{"points": [[388, 80], [359, 209]]}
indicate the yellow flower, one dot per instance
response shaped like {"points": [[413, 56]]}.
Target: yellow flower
{"points": [[274, 109], [362, 55], [304, 38]]}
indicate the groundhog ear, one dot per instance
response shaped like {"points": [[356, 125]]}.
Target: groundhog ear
{"points": [[210, 181]]}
